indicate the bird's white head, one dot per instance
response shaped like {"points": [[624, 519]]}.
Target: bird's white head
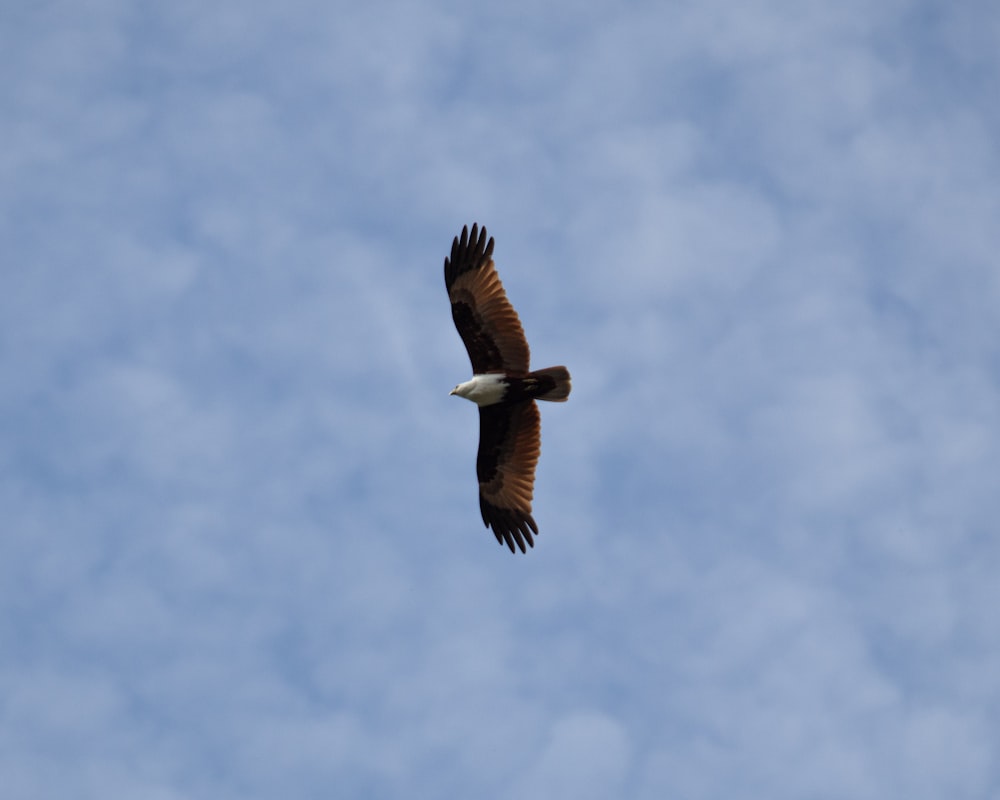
{"points": [[483, 390]]}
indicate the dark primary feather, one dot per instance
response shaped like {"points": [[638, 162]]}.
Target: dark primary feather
{"points": [[467, 253], [509, 525]]}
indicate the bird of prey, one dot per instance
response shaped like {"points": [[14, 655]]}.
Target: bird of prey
{"points": [[503, 387]]}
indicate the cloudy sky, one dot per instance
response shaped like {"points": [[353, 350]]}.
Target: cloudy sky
{"points": [[241, 553]]}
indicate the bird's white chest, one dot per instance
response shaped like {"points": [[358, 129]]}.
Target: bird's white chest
{"points": [[483, 390]]}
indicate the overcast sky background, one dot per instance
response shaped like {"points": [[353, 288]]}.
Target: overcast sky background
{"points": [[241, 553]]}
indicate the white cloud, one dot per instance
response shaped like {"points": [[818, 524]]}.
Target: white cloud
{"points": [[586, 755]]}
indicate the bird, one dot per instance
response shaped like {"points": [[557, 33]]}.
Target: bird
{"points": [[503, 387]]}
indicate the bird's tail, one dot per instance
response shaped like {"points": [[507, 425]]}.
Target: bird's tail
{"points": [[554, 382]]}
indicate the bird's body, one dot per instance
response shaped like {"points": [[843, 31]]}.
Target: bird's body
{"points": [[502, 386], [497, 387]]}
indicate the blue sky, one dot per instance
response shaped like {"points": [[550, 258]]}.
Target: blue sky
{"points": [[241, 553]]}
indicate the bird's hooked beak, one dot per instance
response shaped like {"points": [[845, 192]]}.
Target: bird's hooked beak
{"points": [[453, 391]]}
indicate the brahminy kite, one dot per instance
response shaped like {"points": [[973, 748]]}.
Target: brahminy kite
{"points": [[502, 386]]}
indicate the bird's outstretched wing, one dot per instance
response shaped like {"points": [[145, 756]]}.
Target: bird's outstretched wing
{"points": [[484, 317], [509, 444]]}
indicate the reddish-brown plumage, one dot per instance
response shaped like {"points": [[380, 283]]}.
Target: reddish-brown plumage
{"points": [[509, 430]]}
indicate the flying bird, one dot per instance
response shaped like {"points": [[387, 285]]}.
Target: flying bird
{"points": [[502, 386]]}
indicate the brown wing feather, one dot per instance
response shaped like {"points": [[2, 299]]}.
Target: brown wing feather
{"points": [[509, 446], [484, 317]]}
